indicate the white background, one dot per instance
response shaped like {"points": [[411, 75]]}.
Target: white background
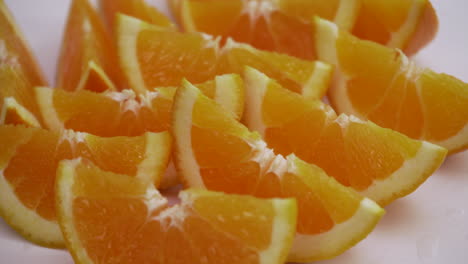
{"points": [[428, 227]]}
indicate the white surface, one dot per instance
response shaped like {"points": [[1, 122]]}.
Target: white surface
{"points": [[428, 227]]}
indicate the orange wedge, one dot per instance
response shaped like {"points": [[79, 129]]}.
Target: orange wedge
{"points": [[125, 113], [86, 46], [135, 8], [28, 164], [379, 163], [284, 25], [214, 151], [95, 79], [15, 114], [112, 218], [266, 25], [380, 84], [405, 24], [152, 56], [19, 73]]}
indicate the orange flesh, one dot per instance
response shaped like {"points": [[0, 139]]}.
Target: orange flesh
{"points": [[135, 8], [104, 116], [270, 30], [157, 52], [208, 228], [377, 20], [452, 111], [353, 153], [307, 9], [12, 117], [156, 56], [95, 82], [19, 72], [398, 95], [231, 156], [33, 157], [85, 40]]}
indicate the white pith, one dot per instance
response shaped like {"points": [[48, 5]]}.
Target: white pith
{"points": [[10, 104], [338, 239], [65, 197], [347, 13], [458, 141], [45, 99], [182, 131], [152, 167], [131, 102], [281, 230], [318, 81], [127, 45], [93, 67], [400, 38], [410, 173], [30, 224], [327, 34], [226, 89], [255, 89]]}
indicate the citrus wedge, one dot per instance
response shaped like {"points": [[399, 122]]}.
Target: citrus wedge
{"points": [[284, 25], [380, 84], [152, 56], [19, 72], [15, 114], [125, 113], [28, 163], [214, 151], [134, 8], [408, 25], [112, 218], [95, 79], [379, 163], [266, 25], [86, 41]]}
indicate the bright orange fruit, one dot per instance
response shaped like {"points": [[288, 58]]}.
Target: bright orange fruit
{"points": [[214, 151], [15, 114], [379, 163], [134, 8], [152, 57], [19, 72], [28, 164], [381, 84], [126, 113], [86, 42], [110, 218], [284, 25]]}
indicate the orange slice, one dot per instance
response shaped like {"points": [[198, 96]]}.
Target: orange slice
{"points": [[125, 113], [95, 79], [152, 56], [110, 218], [379, 163], [15, 114], [86, 40], [214, 151], [134, 8], [380, 84], [284, 25], [266, 25], [28, 163], [407, 25], [19, 72]]}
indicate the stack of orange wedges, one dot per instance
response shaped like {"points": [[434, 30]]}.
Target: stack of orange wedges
{"points": [[232, 111]]}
